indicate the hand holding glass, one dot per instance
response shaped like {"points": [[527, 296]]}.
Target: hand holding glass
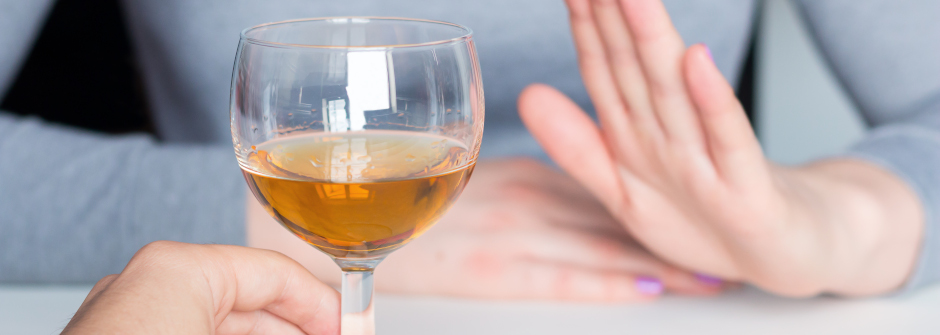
{"points": [[357, 134]]}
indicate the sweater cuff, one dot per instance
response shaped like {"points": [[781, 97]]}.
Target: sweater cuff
{"points": [[913, 154], [189, 194]]}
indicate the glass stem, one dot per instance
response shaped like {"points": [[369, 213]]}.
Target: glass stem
{"points": [[357, 307]]}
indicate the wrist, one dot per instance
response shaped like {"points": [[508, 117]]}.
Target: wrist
{"points": [[869, 221]]}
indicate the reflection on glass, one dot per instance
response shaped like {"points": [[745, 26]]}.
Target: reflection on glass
{"points": [[357, 134]]}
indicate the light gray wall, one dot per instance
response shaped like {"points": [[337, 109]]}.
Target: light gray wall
{"points": [[803, 113]]}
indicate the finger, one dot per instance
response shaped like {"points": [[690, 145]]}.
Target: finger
{"points": [[598, 223], [733, 147], [574, 247], [557, 199], [256, 323], [601, 253], [660, 48], [597, 75], [627, 71], [101, 285], [567, 282], [572, 140], [683, 282], [277, 284], [541, 280]]}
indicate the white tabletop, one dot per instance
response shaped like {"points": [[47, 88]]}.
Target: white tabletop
{"points": [[45, 310]]}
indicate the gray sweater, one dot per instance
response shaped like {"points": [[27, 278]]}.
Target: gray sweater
{"points": [[75, 206]]}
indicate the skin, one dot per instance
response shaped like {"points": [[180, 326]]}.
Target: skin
{"points": [[681, 175], [208, 289], [520, 230], [677, 163]]}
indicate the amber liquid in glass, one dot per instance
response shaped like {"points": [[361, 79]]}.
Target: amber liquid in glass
{"points": [[358, 194]]}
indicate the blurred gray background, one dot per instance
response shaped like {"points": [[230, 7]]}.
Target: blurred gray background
{"points": [[802, 111]]}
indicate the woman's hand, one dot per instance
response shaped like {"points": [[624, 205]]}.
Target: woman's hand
{"points": [[524, 230], [677, 163], [520, 230], [178, 288]]}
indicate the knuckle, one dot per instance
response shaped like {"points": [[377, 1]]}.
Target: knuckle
{"points": [[104, 281], [159, 248], [274, 256], [161, 254], [107, 278]]}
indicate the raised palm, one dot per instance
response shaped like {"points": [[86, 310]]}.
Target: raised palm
{"points": [[675, 159]]}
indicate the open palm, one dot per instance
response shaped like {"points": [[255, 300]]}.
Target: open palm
{"points": [[675, 159]]}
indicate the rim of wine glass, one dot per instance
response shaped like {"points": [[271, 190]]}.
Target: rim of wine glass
{"points": [[468, 33]]}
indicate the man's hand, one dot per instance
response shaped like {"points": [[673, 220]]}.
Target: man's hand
{"points": [[520, 230], [679, 166], [178, 288]]}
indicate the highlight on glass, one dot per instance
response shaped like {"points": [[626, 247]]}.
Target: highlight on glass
{"points": [[357, 134]]}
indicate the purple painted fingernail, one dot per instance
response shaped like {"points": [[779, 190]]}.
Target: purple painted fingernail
{"points": [[709, 52], [649, 285], [708, 280]]}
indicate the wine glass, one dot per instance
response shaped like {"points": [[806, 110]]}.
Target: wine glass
{"points": [[357, 134]]}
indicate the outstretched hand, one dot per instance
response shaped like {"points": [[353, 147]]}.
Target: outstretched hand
{"points": [[676, 162]]}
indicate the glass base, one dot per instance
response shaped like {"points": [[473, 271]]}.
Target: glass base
{"points": [[358, 264]]}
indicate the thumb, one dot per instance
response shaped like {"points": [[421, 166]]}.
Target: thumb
{"points": [[572, 140]]}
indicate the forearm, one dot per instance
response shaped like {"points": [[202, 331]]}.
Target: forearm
{"points": [[871, 220], [884, 54], [75, 206]]}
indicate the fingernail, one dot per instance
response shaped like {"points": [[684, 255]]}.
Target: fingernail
{"points": [[708, 280], [649, 285], [709, 52]]}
